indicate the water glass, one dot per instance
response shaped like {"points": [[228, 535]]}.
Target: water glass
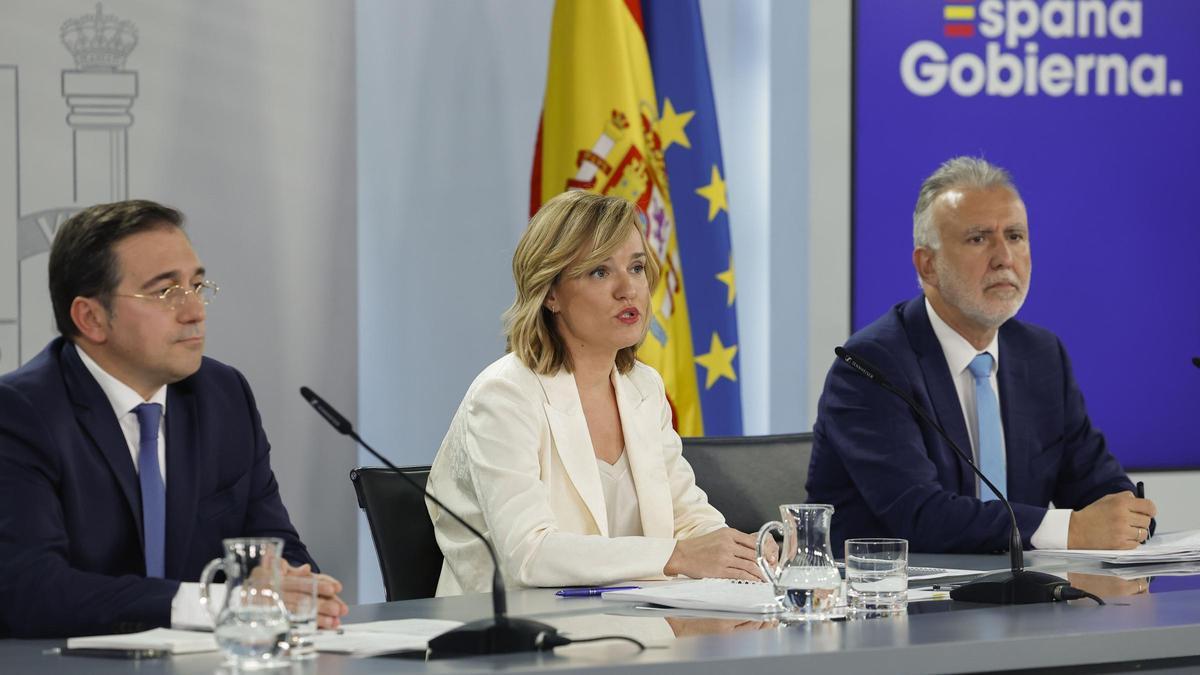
{"points": [[300, 597], [877, 574]]}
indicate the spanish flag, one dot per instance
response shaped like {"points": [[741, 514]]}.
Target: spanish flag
{"points": [[629, 112]]}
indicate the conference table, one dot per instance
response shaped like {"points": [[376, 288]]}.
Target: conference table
{"points": [[1147, 624]]}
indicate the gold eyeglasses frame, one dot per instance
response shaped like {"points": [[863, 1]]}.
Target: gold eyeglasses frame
{"points": [[174, 297]]}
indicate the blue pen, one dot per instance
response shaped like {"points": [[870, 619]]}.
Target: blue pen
{"points": [[591, 591]]}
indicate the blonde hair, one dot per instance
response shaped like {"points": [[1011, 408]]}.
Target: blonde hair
{"points": [[569, 235]]}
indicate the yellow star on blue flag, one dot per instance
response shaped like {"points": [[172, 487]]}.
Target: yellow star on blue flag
{"points": [[728, 279], [691, 146], [718, 362], [672, 126], [714, 192]]}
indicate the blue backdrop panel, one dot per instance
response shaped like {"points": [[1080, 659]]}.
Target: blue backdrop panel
{"points": [[1104, 145]]}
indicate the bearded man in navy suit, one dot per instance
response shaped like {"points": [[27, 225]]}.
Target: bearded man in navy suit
{"points": [[126, 456], [1002, 388]]}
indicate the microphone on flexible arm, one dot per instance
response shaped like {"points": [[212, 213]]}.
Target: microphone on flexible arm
{"points": [[1017, 586], [497, 635]]}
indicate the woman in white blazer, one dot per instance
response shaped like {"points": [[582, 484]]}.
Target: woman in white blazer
{"points": [[562, 452]]}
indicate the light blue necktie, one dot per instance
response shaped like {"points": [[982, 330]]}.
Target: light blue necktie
{"points": [[154, 493], [989, 430]]}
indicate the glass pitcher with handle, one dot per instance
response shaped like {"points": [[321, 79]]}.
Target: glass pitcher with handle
{"points": [[251, 624], [806, 579]]}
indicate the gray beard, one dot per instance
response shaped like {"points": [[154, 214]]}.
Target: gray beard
{"points": [[955, 292]]}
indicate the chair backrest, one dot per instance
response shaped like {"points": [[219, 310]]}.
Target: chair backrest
{"points": [[409, 556], [748, 477]]}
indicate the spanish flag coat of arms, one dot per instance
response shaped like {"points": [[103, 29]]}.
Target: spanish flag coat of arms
{"points": [[629, 111]]}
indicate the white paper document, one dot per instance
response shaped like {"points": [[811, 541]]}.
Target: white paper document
{"points": [[374, 638], [165, 639], [1171, 547], [937, 573], [1130, 572], [916, 573], [725, 595], [743, 597]]}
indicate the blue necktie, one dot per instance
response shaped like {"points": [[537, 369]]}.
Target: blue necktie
{"points": [[989, 430], [154, 493]]}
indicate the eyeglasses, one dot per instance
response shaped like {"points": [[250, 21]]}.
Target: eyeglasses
{"points": [[175, 296]]}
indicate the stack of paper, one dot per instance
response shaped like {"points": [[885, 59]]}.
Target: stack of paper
{"points": [[724, 595], [383, 637], [1130, 572], [163, 639], [741, 597], [940, 573], [916, 573], [1173, 547]]}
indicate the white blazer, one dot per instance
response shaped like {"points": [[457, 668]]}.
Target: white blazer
{"points": [[518, 464]]}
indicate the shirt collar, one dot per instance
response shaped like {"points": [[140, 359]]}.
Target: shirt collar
{"points": [[121, 396], [958, 351]]}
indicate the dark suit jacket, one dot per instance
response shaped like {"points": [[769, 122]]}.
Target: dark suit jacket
{"points": [[887, 474], [71, 558]]}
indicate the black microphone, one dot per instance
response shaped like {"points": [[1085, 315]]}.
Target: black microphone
{"points": [[1018, 586], [1196, 361], [497, 635]]}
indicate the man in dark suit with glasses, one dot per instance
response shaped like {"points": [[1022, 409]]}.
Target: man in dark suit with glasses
{"points": [[126, 456]]}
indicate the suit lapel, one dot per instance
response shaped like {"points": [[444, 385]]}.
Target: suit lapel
{"points": [[182, 474], [95, 415], [640, 428], [573, 443], [939, 383], [1012, 376]]}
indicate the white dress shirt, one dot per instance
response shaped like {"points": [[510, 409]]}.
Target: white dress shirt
{"points": [[1052, 532], [124, 400], [186, 610]]}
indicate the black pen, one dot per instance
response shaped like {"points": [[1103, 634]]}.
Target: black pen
{"points": [[1141, 494]]}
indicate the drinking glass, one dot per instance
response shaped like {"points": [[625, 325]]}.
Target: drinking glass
{"points": [[877, 574]]}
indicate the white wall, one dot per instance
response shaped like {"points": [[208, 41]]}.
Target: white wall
{"points": [[739, 64], [449, 96], [757, 56], [1174, 494], [828, 136], [244, 119]]}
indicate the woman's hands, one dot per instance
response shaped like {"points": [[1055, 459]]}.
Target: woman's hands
{"points": [[724, 553]]}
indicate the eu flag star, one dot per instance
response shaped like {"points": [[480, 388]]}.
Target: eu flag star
{"points": [[727, 278], [672, 126], [714, 192], [718, 362]]}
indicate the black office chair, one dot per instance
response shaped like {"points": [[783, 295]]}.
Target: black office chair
{"points": [[748, 477], [409, 556]]}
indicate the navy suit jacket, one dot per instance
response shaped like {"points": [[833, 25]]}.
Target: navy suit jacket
{"points": [[888, 474], [71, 556]]}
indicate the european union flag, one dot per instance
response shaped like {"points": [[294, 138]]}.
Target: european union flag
{"points": [[692, 145]]}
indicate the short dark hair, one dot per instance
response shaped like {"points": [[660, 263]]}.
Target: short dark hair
{"points": [[82, 262]]}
